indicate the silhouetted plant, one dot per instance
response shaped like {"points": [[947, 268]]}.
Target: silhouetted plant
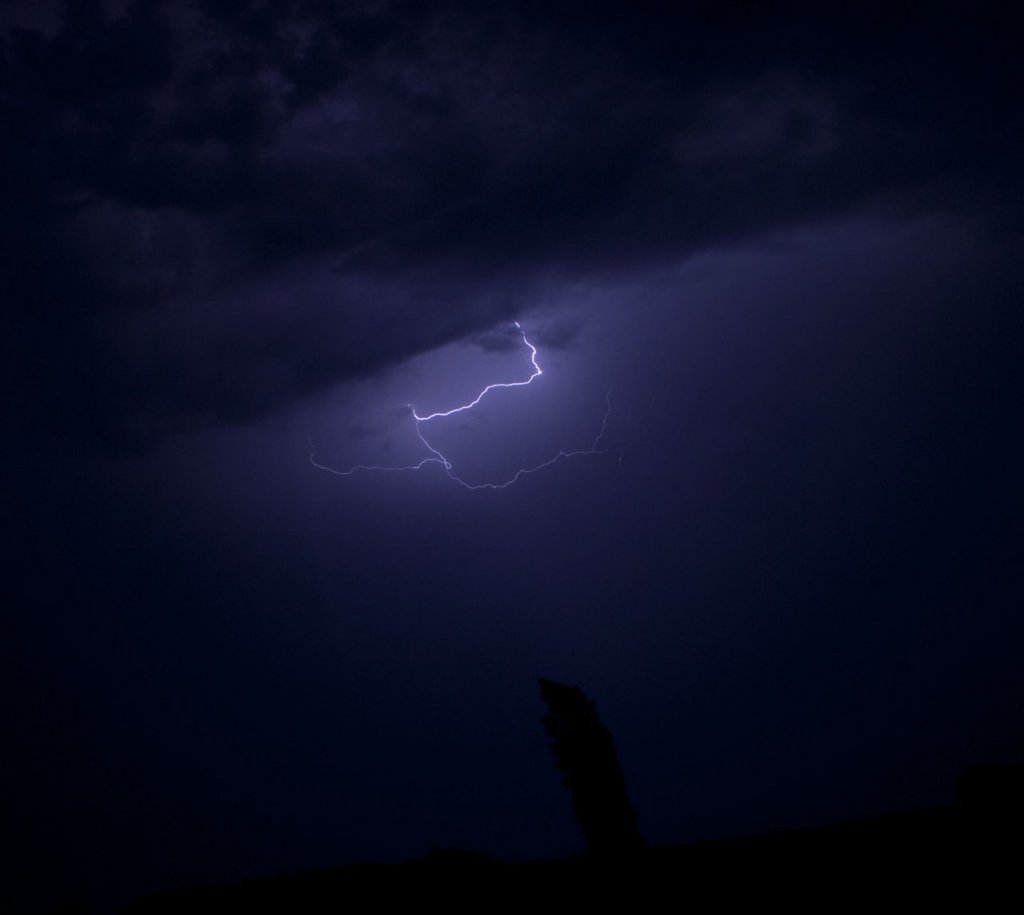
{"points": [[585, 753]]}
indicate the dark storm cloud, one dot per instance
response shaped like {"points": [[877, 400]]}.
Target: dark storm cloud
{"points": [[219, 208], [560, 333], [501, 340]]}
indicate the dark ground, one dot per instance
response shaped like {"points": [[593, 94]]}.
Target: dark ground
{"points": [[936, 856]]}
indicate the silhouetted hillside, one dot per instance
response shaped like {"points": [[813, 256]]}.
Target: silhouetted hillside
{"points": [[962, 851], [932, 855]]}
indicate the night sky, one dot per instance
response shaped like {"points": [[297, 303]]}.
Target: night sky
{"points": [[777, 250]]}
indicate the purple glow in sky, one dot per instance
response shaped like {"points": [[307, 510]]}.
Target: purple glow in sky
{"points": [[437, 457]]}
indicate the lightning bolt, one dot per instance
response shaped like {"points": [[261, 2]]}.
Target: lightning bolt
{"points": [[436, 457]]}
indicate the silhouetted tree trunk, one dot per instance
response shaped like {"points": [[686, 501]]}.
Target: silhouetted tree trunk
{"points": [[585, 752]]}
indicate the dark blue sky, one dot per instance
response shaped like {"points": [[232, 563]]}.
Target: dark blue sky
{"points": [[788, 243]]}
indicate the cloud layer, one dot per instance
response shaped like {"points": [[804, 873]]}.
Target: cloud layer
{"points": [[219, 209]]}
